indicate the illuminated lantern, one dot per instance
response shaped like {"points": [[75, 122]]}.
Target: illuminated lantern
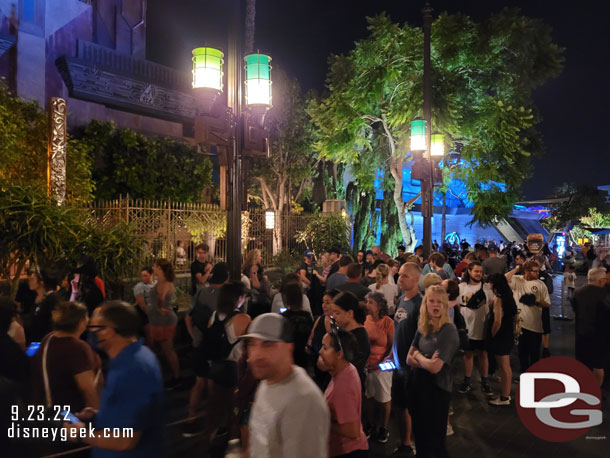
{"points": [[269, 219], [418, 135], [207, 68], [438, 146], [258, 80]]}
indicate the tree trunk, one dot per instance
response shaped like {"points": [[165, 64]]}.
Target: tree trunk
{"points": [[407, 231], [277, 233]]}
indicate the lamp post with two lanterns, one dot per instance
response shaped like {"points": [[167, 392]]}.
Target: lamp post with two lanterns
{"points": [[234, 129]]}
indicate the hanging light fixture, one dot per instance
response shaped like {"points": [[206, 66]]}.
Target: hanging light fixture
{"points": [[437, 149], [207, 68], [418, 135], [258, 80]]}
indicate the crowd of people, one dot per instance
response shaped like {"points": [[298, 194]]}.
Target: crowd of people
{"points": [[312, 369]]}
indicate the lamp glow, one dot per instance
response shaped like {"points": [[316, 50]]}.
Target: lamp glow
{"points": [[438, 146], [258, 80], [418, 135], [269, 219], [207, 68]]}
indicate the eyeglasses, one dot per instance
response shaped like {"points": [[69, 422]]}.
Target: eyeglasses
{"points": [[334, 331], [96, 329]]}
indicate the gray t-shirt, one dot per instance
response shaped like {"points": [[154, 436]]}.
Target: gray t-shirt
{"points": [[154, 316], [495, 265], [335, 280], [206, 297], [143, 289], [446, 341], [289, 419]]}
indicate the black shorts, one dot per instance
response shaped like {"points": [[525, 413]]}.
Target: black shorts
{"points": [[400, 380], [476, 345], [546, 320], [590, 351], [201, 366], [223, 373]]}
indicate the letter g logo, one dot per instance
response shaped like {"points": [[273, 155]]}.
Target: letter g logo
{"points": [[559, 399]]}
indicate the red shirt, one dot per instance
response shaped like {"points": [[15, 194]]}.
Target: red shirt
{"points": [[344, 398]]}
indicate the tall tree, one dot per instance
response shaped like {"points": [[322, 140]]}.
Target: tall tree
{"points": [[482, 79], [286, 174], [578, 202]]}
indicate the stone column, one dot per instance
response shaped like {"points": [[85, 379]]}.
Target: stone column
{"points": [[56, 150]]}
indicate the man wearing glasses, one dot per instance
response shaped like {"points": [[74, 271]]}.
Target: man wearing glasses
{"points": [[133, 394], [531, 296]]}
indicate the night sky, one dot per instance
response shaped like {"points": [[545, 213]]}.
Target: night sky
{"points": [[301, 34]]}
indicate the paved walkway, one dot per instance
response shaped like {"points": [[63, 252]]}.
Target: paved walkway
{"points": [[481, 430]]}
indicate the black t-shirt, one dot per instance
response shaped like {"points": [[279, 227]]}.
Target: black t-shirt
{"points": [[308, 268], [333, 268], [41, 320], [362, 353], [587, 303], [357, 288], [302, 324], [197, 267]]}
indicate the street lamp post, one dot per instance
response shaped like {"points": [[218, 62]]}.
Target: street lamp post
{"points": [[428, 181], [238, 133]]}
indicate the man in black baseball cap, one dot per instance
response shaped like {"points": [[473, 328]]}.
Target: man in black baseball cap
{"points": [[286, 397]]}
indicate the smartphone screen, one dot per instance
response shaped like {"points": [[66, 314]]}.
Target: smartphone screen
{"points": [[282, 309], [32, 348], [69, 417], [387, 366]]}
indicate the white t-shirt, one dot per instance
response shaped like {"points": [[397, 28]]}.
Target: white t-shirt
{"points": [[531, 316], [289, 419], [475, 319], [570, 279], [390, 292], [278, 303]]}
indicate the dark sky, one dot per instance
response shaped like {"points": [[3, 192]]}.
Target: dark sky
{"points": [[301, 34]]}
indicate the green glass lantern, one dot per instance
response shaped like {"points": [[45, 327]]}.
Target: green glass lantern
{"points": [[258, 80], [418, 135], [438, 146], [207, 68]]}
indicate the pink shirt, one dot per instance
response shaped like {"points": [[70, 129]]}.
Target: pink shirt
{"points": [[344, 398], [380, 333]]}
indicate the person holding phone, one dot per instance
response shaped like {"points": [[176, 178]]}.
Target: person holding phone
{"points": [[343, 394], [380, 329], [320, 328], [434, 346]]}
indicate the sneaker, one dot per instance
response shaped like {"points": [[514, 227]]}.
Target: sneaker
{"points": [[450, 431], [191, 429], [546, 353], [403, 451], [369, 431], [382, 435], [465, 388], [486, 389], [500, 401]]}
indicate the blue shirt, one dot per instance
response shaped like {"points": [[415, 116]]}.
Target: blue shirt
{"points": [[133, 398]]}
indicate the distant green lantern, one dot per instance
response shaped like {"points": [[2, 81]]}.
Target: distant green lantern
{"points": [[258, 80], [207, 68], [418, 135], [438, 145]]}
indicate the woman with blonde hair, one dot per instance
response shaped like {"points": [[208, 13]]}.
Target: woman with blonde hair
{"points": [[259, 285], [384, 286], [434, 346]]}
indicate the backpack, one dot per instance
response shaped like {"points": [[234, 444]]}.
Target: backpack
{"points": [[215, 344]]}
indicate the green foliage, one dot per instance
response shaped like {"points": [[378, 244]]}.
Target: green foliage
{"points": [[324, 231], [482, 80], [38, 231], [160, 168], [287, 171], [23, 149], [581, 201]]}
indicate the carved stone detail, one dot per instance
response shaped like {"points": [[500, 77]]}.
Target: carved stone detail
{"points": [[56, 150]]}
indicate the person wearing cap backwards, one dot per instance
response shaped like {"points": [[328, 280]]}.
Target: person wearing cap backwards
{"points": [[289, 417]]}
